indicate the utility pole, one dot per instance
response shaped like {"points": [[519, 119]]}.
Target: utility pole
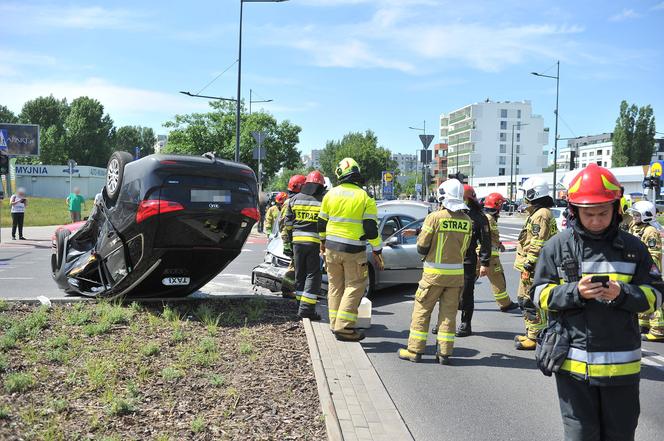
{"points": [[555, 135]]}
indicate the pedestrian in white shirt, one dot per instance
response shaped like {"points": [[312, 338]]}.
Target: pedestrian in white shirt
{"points": [[18, 203]]}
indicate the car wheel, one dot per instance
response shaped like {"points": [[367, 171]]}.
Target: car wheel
{"points": [[115, 173], [371, 285], [59, 256]]}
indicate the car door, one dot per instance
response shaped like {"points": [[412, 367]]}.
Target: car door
{"points": [[402, 263]]}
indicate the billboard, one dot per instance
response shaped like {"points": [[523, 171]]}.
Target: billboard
{"points": [[19, 139]]}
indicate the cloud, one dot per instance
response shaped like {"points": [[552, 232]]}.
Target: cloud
{"points": [[625, 14], [658, 7], [40, 17]]}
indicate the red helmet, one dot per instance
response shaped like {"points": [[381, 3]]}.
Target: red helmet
{"points": [[316, 177], [469, 192], [594, 185], [494, 201], [295, 183], [281, 197]]}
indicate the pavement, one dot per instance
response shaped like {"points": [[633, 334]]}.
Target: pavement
{"points": [[491, 391]]}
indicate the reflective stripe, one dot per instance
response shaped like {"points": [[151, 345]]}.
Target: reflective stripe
{"points": [[307, 300], [323, 215], [576, 367], [418, 335], [614, 370], [608, 267], [344, 219], [653, 296], [603, 364], [541, 295], [348, 316], [443, 265], [445, 272], [304, 233], [501, 295], [445, 336], [306, 239], [604, 357], [309, 295], [309, 203], [370, 217], [427, 229], [332, 313], [495, 253], [625, 278], [346, 241]]}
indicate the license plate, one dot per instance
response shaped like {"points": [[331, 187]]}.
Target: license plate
{"points": [[175, 281]]}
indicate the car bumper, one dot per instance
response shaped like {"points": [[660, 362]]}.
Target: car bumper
{"points": [[268, 276]]}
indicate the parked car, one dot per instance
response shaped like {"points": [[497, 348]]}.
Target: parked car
{"points": [[560, 215], [399, 223], [162, 226]]}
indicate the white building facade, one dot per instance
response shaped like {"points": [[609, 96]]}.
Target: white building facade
{"points": [[480, 141], [407, 163], [596, 149]]}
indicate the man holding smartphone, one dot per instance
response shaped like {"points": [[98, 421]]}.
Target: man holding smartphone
{"points": [[18, 203], [593, 279]]}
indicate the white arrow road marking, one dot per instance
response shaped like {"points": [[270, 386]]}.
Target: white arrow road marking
{"points": [[652, 359], [16, 278]]}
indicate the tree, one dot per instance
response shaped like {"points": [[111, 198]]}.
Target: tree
{"points": [[7, 116], [50, 114], [280, 181], [363, 147], [197, 133], [633, 136], [89, 132], [127, 138]]}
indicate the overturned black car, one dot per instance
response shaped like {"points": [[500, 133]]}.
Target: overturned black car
{"points": [[163, 226]]}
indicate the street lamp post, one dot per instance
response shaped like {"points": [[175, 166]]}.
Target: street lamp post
{"points": [[512, 161], [251, 100], [555, 140], [239, 76], [425, 181]]}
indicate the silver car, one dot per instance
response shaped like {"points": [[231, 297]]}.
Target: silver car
{"points": [[399, 223]]}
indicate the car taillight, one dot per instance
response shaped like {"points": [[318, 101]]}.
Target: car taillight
{"points": [[251, 212], [151, 208], [168, 162]]}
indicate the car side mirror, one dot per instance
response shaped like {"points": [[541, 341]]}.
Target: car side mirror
{"points": [[392, 241]]}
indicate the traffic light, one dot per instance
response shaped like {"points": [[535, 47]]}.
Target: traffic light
{"points": [[4, 164]]}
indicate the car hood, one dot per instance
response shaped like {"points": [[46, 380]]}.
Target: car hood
{"points": [[276, 248]]}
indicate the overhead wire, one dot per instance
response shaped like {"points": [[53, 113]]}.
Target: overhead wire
{"points": [[217, 77]]}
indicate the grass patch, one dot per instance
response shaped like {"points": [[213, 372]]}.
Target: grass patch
{"points": [[78, 316], [171, 374], [171, 314], [4, 362], [4, 305], [217, 380], [99, 372], [96, 329], [18, 382], [5, 412], [119, 406], [246, 348], [150, 349], [198, 424], [42, 211]]}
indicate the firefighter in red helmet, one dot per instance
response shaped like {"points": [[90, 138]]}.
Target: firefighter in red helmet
{"points": [[295, 184]]}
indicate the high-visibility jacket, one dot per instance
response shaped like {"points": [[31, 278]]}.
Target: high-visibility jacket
{"points": [[651, 238], [282, 214], [302, 219], [443, 242], [604, 337], [270, 216], [539, 227], [495, 234], [348, 218]]}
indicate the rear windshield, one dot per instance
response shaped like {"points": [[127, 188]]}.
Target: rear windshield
{"points": [[203, 190]]}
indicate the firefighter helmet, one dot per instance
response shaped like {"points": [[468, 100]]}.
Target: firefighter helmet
{"points": [[316, 177], [494, 201], [594, 185], [645, 209], [469, 193], [346, 167], [295, 183], [281, 197], [535, 188]]}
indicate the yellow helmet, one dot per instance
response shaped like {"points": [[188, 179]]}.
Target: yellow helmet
{"points": [[346, 167]]}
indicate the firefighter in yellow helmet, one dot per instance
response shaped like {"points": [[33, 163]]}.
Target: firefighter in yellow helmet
{"points": [[539, 227], [625, 205], [645, 227], [443, 242], [273, 212], [348, 219]]}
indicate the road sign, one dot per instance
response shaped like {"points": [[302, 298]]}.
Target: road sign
{"points": [[656, 169], [259, 136], [426, 141], [71, 171], [388, 176], [426, 156], [262, 154], [418, 188]]}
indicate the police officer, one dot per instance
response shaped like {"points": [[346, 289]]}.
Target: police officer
{"points": [[479, 239], [539, 227], [301, 232], [645, 227], [348, 219], [443, 243], [288, 283], [273, 212], [493, 204], [598, 380]]}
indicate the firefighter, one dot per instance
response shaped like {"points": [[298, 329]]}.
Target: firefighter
{"points": [[645, 227], [598, 374], [348, 219], [539, 227], [493, 204], [301, 233], [443, 243], [272, 212], [625, 205], [288, 283]]}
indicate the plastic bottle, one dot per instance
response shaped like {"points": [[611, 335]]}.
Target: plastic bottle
{"points": [[364, 314]]}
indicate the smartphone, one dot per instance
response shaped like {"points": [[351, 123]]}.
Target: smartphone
{"points": [[604, 280]]}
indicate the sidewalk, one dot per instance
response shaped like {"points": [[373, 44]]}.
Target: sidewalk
{"points": [[354, 400]]}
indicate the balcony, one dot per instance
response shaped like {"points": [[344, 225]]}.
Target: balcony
{"points": [[458, 140], [462, 128], [458, 118]]}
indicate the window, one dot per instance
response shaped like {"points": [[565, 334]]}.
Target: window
{"points": [[583, 155], [503, 125], [481, 184], [503, 148], [599, 163], [517, 160], [411, 239], [605, 164], [518, 113], [501, 160], [503, 136], [501, 171], [503, 113], [518, 137], [518, 148], [591, 153], [516, 171], [599, 153]]}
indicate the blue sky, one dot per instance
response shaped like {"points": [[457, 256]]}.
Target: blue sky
{"points": [[333, 66]]}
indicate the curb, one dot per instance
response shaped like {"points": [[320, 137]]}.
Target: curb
{"points": [[188, 299], [332, 426]]}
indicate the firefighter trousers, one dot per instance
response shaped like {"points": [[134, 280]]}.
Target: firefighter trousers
{"points": [[308, 275], [654, 322], [347, 275], [592, 413], [426, 297], [533, 317], [497, 280]]}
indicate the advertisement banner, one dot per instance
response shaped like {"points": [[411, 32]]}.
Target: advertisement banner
{"points": [[19, 139]]}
